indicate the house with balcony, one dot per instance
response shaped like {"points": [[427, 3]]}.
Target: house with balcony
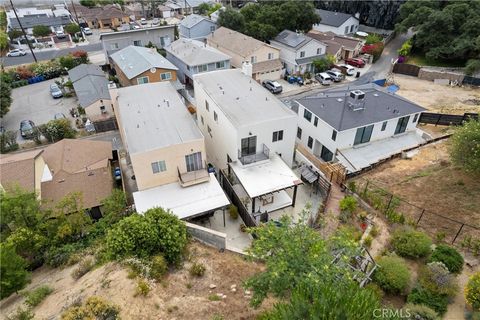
{"points": [[298, 51], [193, 56], [357, 126], [250, 134], [167, 152]]}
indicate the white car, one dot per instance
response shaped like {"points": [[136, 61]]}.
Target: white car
{"points": [[16, 53], [143, 21], [87, 31], [349, 70], [60, 34]]}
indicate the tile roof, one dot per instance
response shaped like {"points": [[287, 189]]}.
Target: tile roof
{"points": [[19, 170], [346, 42], [332, 18], [134, 60], [194, 52]]}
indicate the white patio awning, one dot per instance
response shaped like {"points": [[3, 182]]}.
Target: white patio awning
{"points": [[183, 202], [265, 177]]}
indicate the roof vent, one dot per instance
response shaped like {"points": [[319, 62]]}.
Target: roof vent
{"points": [[375, 94], [238, 98], [339, 99]]}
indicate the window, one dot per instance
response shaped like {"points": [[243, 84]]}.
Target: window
{"points": [[102, 109], [212, 28], [162, 41], [346, 30], [137, 43], [315, 121], [310, 142], [220, 65], [415, 118], [302, 54], [142, 80], [402, 124], [270, 56], [249, 146], [307, 115], [159, 166], [277, 136], [207, 106], [209, 131], [363, 135], [114, 46], [326, 154], [215, 116], [203, 68], [166, 76], [334, 135], [351, 28], [384, 125], [194, 161], [253, 59], [319, 51], [201, 119], [299, 133]]}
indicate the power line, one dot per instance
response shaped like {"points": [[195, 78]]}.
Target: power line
{"points": [[23, 30]]}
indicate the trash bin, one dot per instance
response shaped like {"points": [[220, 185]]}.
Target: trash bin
{"points": [[358, 74]]}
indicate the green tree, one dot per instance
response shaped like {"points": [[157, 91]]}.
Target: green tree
{"points": [[203, 8], [56, 130], [472, 66], [8, 141], [19, 208], [472, 291], [373, 38], [28, 244], [231, 19], [5, 97], [322, 64], [41, 31], [72, 28], [3, 41], [15, 33], [88, 3], [13, 275], [465, 146]]}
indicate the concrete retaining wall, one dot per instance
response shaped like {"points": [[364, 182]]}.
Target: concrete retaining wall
{"points": [[432, 74], [207, 236]]}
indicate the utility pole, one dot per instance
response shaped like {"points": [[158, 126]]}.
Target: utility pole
{"points": [[23, 30], [75, 10]]}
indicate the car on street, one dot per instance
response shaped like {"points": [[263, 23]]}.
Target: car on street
{"points": [[27, 129], [143, 21], [272, 86], [348, 70], [16, 53], [324, 78], [87, 31], [155, 21], [60, 34], [359, 63], [55, 91], [335, 74], [59, 116]]}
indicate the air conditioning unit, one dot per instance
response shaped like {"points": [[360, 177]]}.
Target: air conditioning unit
{"points": [[357, 95]]}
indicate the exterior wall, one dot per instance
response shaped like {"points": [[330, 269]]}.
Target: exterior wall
{"points": [[116, 41], [93, 111], [207, 236], [341, 29], [174, 157], [113, 22], [152, 77], [289, 55], [39, 166], [199, 31], [275, 75]]}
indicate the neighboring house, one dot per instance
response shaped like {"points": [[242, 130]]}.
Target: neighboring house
{"points": [[192, 57], [138, 11], [297, 51], [185, 7], [167, 152], [336, 22], [249, 132], [91, 88], [197, 27], [357, 126], [107, 16], [25, 171], [349, 47], [175, 8], [30, 21], [138, 65], [264, 58], [165, 12], [61, 10], [214, 16], [160, 37]]}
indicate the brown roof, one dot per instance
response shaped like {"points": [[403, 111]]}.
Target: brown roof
{"points": [[105, 12], [78, 166], [347, 42], [18, 170], [234, 41], [268, 65]]}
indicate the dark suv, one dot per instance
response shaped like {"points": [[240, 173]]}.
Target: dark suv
{"points": [[27, 129], [272, 86]]}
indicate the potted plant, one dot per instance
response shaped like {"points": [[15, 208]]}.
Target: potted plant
{"points": [[233, 211]]}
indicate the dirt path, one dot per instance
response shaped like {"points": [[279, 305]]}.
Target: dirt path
{"points": [[332, 211], [457, 308]]}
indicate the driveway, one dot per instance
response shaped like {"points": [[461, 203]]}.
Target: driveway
{"points": [[34, 102]]}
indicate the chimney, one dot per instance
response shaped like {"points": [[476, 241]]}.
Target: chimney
{"points": [[247, 68]]}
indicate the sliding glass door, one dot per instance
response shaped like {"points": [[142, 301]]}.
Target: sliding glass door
{"points": [[402, 124], [363, 135], [194, 161], [249, 146]]}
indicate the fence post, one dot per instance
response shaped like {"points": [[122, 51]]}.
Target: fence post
{"points": [[388, 205], [420, 218], [458, 233]]}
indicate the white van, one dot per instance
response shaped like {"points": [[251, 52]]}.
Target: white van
{"points": [[324, 78]]}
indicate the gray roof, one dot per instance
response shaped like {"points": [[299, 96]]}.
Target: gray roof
{"points": [[194, 52], [332, 106], [153, 116], [134, 60], [292, 39], [121, 34], [36, 20], [193, 19], [243, 100], [332, 18], [83, 70], [90, 89]]}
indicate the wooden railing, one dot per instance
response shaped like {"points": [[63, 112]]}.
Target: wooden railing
{"points": [[334, 172]]}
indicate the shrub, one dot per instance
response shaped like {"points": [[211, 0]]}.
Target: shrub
{"points": [[57, 256], [373, 38], [449, 256], [143, 288], [392, 274], [368, 241], [8, 141], [424, 297], [375, 288], [36, 296], [13, 275], [197, 270], [21, 314], [83, 268], [420, 312], [349, 204], [214, 297], [233, 210], [94, 308], [159, 267], [465, 146], [56, 130], [435, 278], [410, 243], [472, 291]]}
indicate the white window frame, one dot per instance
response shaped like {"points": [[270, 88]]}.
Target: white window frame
{"points": [[146, 77], [165, 74], [271, 56], [141, 44], [114, 46], [220, 65], [202, 68], [158, 166], [253, 59], [302, 54]]}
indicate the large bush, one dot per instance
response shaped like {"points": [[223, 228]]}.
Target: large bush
{"points": [[94, 308], [392, 274], [436, 278], [13, 275], [56, 130], [410, 243], [421, 296], [449, 256], [472, 291], [465, 146], [420, 312]]}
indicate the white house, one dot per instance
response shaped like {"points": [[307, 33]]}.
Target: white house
{"points": [[249, 132], [337, 22], [357, 126], [297, 51]]}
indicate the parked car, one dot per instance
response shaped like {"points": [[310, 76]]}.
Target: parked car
{"points": [[27, 128], [55, 91], [117, 173], [324, 78], [155, 21], [346, 69], [272, 86], [335, 74], [60, 34], [359, 63], [16, 53], [143, 21], [59, 116], [87, 31]]}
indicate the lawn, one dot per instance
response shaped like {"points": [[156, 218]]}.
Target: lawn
{"points": [[420, 60]]}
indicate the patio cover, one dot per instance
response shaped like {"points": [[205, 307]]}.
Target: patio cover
{"points": [[183, 202], [265, 177]]}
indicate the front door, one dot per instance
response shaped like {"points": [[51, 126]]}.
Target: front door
{"points": [[249, 146], [402, 124]]}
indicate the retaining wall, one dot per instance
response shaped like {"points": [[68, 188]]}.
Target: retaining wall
{"points": [[432, 74], [207, 236]]}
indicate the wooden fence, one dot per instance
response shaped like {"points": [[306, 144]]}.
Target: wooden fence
{"points": [[106, 125], [446, 119], [334, 172], [407, 69]]}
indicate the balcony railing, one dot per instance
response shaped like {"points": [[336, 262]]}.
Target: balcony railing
{"points": [[190, 178], [251, 158]]}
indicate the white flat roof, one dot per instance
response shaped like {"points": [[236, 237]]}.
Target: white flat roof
{"points": [[153, 116], [183, 202], [242, 99], [265, 176]]}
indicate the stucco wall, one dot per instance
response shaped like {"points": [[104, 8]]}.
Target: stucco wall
{"points": [[93, 111], [207, 236]]}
